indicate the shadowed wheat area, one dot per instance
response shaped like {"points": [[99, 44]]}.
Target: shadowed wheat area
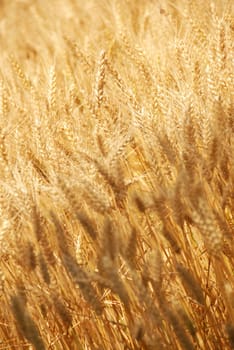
{"points": [[116, 175]]}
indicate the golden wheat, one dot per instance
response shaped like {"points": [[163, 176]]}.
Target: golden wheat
{"points": [[117, 175]]}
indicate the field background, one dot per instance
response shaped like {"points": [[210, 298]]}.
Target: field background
{"points": [[116, 174]]}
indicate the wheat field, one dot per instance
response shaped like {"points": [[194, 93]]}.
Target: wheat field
{"points": [[117, 174]]}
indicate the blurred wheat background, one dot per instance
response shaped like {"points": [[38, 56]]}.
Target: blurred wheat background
{"points": [[116, 174]]}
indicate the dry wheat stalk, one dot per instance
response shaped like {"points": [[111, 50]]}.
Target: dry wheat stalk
{"points": [[25, 323], [100, 81]]}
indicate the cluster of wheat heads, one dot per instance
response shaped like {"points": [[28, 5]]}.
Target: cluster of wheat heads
{"points": [[117, 175]]}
